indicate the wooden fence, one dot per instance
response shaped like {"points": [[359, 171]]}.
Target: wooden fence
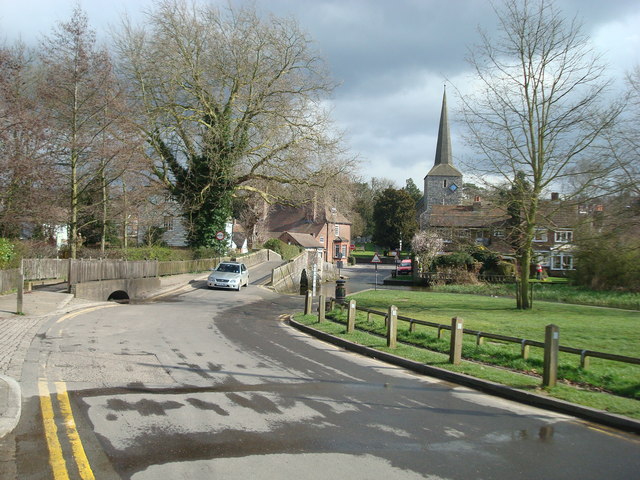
{"points": [[45, 268], [9, 279], [81, 270], [523, 342]]}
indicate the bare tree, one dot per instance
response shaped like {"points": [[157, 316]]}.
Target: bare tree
{"points": [[230, 102], [28, 190], [76, 92], [538, 108]]}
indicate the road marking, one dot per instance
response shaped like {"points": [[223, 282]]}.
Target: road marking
{"points": [[56, 456], [612, 433], [72, 433], [86, 310], [56, 459]]}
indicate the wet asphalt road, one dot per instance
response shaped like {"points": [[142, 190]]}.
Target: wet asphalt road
{"points": [[212, 384]]}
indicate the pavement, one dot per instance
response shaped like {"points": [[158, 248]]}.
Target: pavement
{"points": [[18, 331]]}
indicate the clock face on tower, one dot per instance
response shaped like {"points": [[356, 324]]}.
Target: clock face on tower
{"points": [[453, 187]]}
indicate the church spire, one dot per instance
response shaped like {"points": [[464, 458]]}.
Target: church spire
{"points": [[443, 164], [443, 147]]}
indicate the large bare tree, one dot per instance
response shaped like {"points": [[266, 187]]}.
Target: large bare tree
{"points": [[538, 111], [230, 102]]}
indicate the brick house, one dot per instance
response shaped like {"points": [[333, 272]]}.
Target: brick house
{"points": [[487, 225], [323, 227]]}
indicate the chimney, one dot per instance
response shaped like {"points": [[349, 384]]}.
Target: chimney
{"points": [[555, 196], [476, 203]]}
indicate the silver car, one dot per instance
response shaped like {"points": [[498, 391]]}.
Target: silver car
{"points": [[229, 275]]}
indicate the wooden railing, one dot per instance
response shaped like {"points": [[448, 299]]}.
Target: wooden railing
{"points": [[523, 342]]}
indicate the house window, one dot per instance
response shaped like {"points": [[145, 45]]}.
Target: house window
{"points": [[498, 233], [562, 261], [564, 236], [344, 251], [444, 184], [540, 235], [336, 229], [337, 250], [322, 240], [543, 258], [464, 233], [168, 224]]}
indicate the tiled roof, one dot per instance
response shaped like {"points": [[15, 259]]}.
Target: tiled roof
{"points": [[303, 239], [300, 219], [551, 215], [466, 216]]}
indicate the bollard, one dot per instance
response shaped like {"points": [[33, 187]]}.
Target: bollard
{"points": [[341, 291], [392, 327], [321, 308], [351, 316], [455, 351], [308, 303], [551, 349]]}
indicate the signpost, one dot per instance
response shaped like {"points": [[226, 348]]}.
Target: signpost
{"points": [[220, 237], [376, 260]]}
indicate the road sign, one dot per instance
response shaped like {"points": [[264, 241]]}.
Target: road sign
{"points": [[376, 258], [220, 235]]}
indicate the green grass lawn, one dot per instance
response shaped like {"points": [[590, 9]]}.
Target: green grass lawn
{"points": [[583, 327], [551, 292]]}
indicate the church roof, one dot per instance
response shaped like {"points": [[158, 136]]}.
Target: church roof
{"points": [[443, 164], [444, 170]]}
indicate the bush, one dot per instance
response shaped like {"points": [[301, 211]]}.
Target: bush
{"points": [[607, 264], [204, 252], [162, 254], [7, 253], [490, 260], [287, 252], [455, 260]]}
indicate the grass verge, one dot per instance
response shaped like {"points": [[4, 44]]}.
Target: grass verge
{"points": [[602, 401]]}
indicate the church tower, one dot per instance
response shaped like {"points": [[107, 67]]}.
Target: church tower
{"points": [[443, 183]]}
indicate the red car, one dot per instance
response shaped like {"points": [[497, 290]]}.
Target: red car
{"points": [[405, 267]]}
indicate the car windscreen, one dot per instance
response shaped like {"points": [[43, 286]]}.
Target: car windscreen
{"points": [[225, 267]]}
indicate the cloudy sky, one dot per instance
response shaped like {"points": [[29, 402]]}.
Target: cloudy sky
{"points": [[390, 57]]}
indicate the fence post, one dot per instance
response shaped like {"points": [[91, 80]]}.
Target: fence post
{"points": [[321, 308], [524, 350], [20, 294], [392, 327], [455, 351], [351, 316], [551, 349], [584, 360], [308, 303]]}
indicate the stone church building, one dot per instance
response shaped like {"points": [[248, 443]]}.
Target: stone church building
{"points": [[443, 183]]}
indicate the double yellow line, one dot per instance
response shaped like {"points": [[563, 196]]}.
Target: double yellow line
{"points": [[56, 456]]}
